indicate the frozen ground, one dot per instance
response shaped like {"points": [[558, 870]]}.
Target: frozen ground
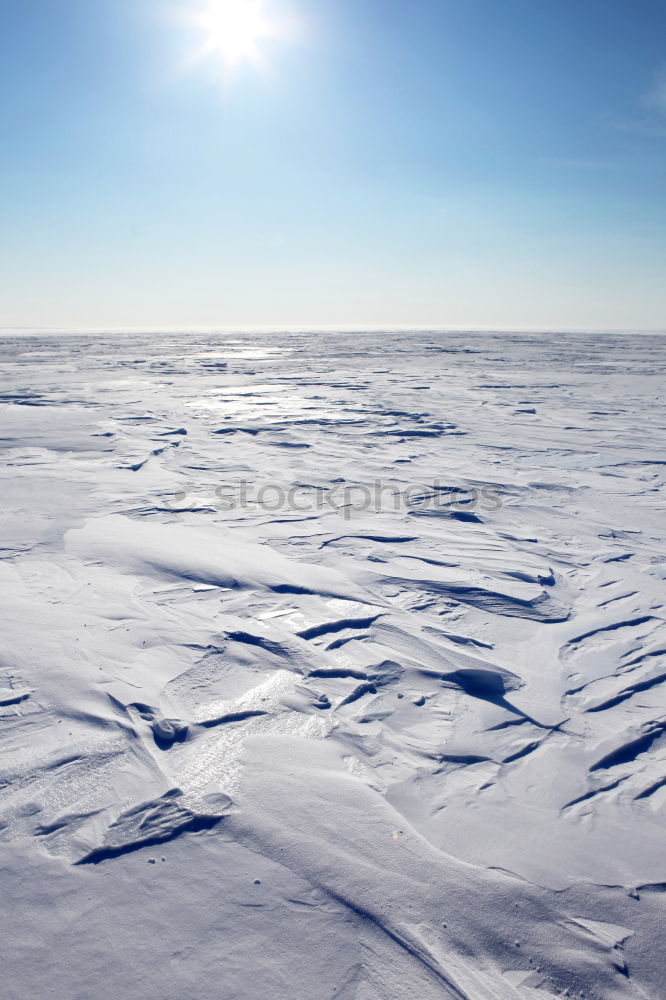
{"points": [[312, 742]]}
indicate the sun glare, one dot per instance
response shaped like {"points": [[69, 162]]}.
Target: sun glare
{"points": [[234, 29]]}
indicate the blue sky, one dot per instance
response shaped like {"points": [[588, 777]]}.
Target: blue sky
{"points": [[441, 163]]}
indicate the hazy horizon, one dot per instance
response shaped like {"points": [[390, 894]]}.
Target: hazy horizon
{"points": [[350, 330]]}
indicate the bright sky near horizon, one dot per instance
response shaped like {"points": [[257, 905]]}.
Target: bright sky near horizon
{"points": [[444, 163]]}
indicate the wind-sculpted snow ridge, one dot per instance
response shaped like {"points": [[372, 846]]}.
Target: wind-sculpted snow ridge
{"points": [[333, 668]]}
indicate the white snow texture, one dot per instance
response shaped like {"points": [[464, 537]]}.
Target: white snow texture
{"points": [[267, 733]]}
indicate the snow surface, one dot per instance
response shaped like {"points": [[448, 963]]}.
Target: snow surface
{"points": [[333, 747]]}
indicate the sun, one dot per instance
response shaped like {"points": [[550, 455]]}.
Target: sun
{"points": [[234, 29]]}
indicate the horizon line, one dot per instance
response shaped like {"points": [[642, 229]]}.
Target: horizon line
{"points": [[346, 329]]}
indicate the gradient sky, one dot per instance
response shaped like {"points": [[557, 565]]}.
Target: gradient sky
{"points": [[444, 163]]}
